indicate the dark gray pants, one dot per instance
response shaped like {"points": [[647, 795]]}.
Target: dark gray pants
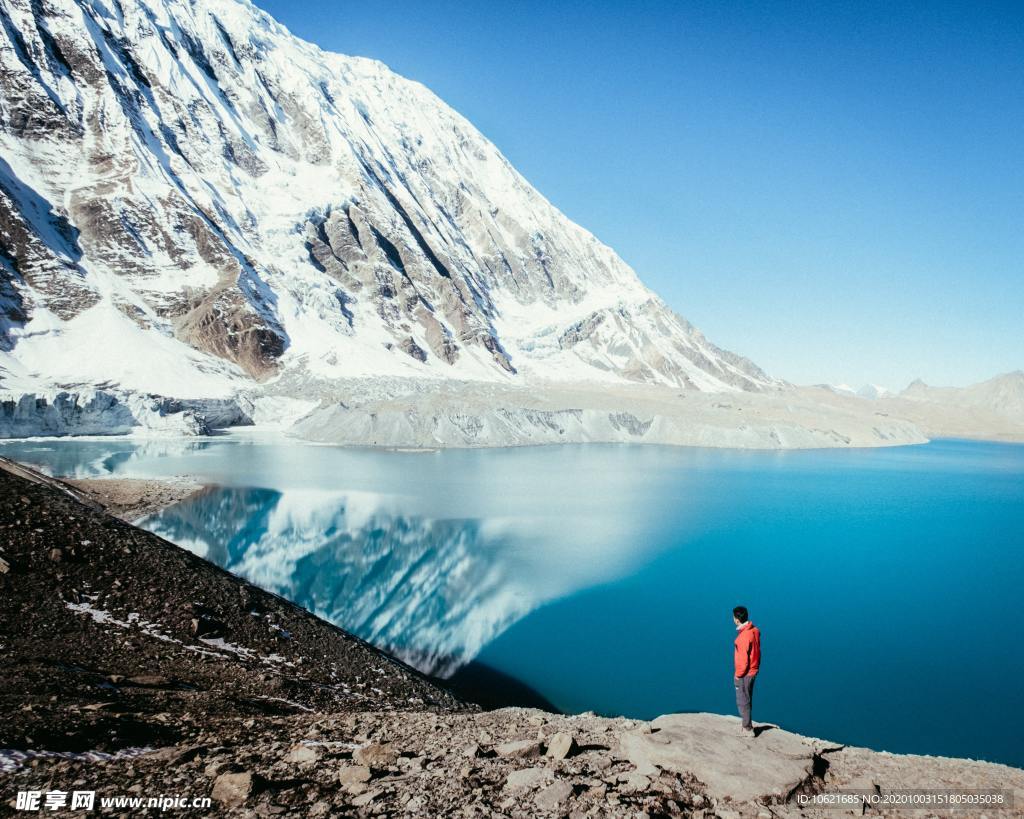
{"points": [[745, 697]]}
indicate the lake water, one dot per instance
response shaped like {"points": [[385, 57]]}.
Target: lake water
{"points": [[887, 582]]}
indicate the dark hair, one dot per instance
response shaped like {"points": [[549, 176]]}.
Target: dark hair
{"points": [[740, 613]]}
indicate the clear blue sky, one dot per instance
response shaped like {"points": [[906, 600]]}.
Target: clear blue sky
{"points": [[835, 190]]}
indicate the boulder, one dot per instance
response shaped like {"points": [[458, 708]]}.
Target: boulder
{"points": [[302, 754], [527, 779], [521, 749], [233, 789], [354, 774], [376, 755], [561, 745], [554, 796]]}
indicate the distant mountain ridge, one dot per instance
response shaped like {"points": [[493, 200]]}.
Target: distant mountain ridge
{"points": [[192, 201], [1003, 395]]}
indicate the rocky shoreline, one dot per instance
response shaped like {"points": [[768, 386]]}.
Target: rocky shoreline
{"points": [[133, 668]]}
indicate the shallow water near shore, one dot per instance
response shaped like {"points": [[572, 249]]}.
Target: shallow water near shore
{"points": [[885, 581]]}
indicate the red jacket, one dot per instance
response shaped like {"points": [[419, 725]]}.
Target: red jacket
{"points": [[747, 653]]}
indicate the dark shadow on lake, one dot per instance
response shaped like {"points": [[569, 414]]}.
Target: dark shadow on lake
{"points": [[490, 688]]}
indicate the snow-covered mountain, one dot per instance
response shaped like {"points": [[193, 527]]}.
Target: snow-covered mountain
{"points": [[870, 391], [840, 389], [873, 391], [193, 201]]}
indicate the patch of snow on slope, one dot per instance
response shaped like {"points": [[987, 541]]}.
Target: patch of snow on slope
{"points": [[102, 341]]}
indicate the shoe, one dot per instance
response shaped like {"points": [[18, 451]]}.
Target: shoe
{"points": [[748, 733]]}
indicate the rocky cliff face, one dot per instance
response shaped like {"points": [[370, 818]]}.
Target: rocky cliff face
{"points": [[192, 199]]}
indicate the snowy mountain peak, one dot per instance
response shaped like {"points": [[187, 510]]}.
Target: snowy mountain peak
{"points": [[873, 391], [193, 200]]}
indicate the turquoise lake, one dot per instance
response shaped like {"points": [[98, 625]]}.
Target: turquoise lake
{"points": [[887, 582]]}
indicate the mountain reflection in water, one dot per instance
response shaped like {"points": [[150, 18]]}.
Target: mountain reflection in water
{"points": [[433, 592]]}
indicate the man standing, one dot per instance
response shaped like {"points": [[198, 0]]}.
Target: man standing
{"points": [[747, 660]]}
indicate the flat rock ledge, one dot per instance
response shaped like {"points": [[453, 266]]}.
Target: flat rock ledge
{"points": [[772, 766]]}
